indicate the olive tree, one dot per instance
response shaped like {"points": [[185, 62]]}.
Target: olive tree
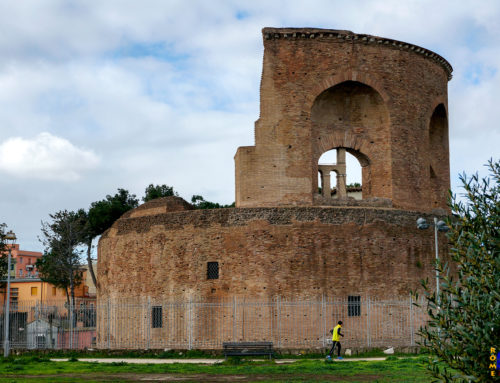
{"points": [[465, 316]]}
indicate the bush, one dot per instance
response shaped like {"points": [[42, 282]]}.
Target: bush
{"points": [[465, 317]]}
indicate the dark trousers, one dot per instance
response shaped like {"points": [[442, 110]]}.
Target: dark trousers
{"points": [[332, 350]]}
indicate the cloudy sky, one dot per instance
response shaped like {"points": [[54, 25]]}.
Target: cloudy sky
{"points": [[98, 95]]}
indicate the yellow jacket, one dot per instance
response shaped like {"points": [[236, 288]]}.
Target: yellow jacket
{"points": [[336, 336]]}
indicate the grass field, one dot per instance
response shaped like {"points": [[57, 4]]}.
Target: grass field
{"points": [[37, 369]]}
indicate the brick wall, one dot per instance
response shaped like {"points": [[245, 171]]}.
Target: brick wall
{"points": [[266, 252]]}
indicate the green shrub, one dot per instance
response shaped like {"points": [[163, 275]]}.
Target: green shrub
{"points": [[464, 317]]}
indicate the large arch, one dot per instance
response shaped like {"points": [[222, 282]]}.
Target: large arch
{"points": [[438, 158], [354, 116]]}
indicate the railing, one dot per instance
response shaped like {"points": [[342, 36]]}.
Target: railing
{"points": [[51, 325], [151, 324]]}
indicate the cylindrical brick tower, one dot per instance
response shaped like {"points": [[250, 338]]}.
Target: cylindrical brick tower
{"points": [[384, 101]]}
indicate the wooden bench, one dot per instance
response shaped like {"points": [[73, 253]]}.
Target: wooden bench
{"points": [[248, 348]]}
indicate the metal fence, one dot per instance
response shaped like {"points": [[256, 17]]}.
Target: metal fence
{"points": [[150, 324], [50, 325]]}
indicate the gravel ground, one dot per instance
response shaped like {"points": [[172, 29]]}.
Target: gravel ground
{"points": [[193, 361]]}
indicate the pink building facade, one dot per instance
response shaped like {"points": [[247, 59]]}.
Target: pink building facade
{"points": [[23, 263]]}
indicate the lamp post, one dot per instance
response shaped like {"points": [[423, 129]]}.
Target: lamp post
{"points": [[10, 237], [438, 226]]}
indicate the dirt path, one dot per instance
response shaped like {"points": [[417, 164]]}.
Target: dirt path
{"points": [[201, 378], [197, 361]]}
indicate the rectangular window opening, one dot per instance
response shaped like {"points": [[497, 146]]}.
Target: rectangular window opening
{"points": [[354, 306], [34, 291], [157, 317], [213, 270], [14, 297]]}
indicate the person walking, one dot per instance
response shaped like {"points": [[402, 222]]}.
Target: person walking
{"points": [[336, 340]]}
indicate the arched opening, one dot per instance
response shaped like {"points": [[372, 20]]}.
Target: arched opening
{"points": [[340, 172], [352, 117], [438, 158]]}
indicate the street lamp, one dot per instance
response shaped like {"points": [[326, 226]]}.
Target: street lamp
{"points": [[10, 237], [422, 224]]}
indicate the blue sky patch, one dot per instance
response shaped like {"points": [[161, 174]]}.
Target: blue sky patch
{"points": [[478, 73], [158, 50], [242, 15]]}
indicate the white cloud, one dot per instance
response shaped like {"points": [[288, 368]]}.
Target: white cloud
{"points": [[45, 157], [165, 91]]}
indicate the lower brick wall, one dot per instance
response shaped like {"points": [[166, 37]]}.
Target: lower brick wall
{"points": [[264, 253]]}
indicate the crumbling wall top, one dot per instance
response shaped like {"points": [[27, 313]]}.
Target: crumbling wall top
{"points": [[159, 206], [343, 35]]}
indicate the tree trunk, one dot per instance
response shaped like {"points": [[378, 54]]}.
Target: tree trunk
{"points": [[67, 297], [89, 261]]}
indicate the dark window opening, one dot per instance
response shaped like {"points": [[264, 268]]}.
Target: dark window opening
{"points": [[433, 174], [40, 341], [213, 270], [354, 306], [156, 317]]}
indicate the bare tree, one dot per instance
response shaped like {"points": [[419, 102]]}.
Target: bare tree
{"points": [[60, 265]]}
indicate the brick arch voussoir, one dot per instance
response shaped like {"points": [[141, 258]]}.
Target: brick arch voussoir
{"points": [[343, 140], [331, 81]]}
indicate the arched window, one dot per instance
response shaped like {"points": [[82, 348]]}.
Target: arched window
{"points": [[339, 175]]}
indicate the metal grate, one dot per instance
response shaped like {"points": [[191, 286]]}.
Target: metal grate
{"points": [[213, 270], [354, 306], [127, 323], [157, 317]]}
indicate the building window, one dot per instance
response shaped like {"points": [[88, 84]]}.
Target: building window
{"points": [[14, 296], [54, 291], [353, 306], [20, 259], [20, 273], [213, 270], [34, 291], [12, 265], [156, 317]]}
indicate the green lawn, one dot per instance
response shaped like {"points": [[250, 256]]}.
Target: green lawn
{"points": [[36, 369]]}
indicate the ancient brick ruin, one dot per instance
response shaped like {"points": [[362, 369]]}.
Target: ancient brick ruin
{"points": [[381, 100]]}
